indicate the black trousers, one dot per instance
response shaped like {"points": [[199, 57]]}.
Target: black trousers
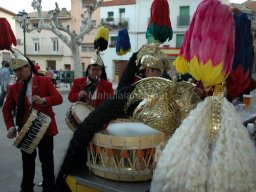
{"points": [[45, 151]]}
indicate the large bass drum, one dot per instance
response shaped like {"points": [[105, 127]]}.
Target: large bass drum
{"points": [[124, 151], [77, 113], [32, 132]]}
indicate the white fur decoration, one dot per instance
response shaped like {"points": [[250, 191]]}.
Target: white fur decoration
{"points": [[185, 166]]}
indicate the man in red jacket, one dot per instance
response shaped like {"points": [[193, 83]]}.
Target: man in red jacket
{"points": [[39, 93], [93, 89]]}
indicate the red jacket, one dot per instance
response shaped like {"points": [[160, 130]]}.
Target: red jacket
{"points": [[41, 86], [104, 91]]}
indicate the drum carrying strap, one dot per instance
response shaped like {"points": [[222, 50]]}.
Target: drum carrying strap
{"points": [[20, 114]]}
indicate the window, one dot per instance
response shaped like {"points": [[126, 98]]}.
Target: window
{"points": [[83, 66], [183, 19], [93, 23], [55, 44], [88, 47], [179, 40], [36, 45], [122, 10], [67, 66], [6, 56], [113, 41], [35, 25], [121, 14], [110, 16], [87, 2], [51, 64]]}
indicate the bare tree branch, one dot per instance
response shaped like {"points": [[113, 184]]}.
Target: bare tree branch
{"points": [[86, 20], [71, 39]]}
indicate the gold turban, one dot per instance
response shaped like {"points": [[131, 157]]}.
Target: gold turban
{"points": [[151, 56]]}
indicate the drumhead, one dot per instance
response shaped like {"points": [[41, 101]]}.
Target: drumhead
{"points": [[129, 129], [80, 111]]}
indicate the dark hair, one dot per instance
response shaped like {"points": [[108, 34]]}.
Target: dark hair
{"points": [[103, 74], [5, 63], [33, 68]]}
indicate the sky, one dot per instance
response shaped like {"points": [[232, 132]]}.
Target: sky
{"points": [[19, 5]]}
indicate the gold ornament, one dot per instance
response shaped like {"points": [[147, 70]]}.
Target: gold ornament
{"points": [[163, 103], [185, 96], [215, 116], [150, 56]]}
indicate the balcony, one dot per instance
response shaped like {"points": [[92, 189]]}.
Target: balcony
{"points": [[114, 23], [183, 21], [44, 51]]}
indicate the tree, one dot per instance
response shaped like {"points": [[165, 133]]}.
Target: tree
{"points": [[70, 38]]}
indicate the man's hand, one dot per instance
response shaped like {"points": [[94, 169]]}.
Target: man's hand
{"points": [[39, 100], [82, 95], [11, 133]]}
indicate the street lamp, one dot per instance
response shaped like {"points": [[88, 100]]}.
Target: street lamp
{"points": [[24, 20]]}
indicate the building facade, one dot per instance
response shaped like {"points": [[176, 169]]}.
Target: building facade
{"points": [[78, 8], [44, 47], [48, 50], [135, 14]]}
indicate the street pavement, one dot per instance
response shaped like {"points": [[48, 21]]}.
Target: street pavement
{"points": [[10, 157]]}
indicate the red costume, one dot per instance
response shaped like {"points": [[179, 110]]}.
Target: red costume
{"points": [[104, 91], [41, 86]]}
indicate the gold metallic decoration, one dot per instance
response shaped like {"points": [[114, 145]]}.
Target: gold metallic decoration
{"points": [[157, 109], [185, 96], [18, 60], [215, 116], [96, 60], [146, 87], [151, 56], [149, 61], [163, 103]]}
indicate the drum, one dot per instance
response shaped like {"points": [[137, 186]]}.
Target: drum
{"points": [[124, 151], [32, 132], [77, 113]]}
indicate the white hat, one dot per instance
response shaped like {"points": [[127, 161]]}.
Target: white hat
{"points": [[18, 60], [96, 60]]}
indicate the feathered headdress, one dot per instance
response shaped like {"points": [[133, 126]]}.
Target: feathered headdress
{"points": [[7, 37], [195, 153], [240, 79], [101, 39], [207, 51], [159, 27], [123, 45]]}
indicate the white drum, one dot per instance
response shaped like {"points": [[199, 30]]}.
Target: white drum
{"points": [[77, 113], [33, 131], [124, 151]]}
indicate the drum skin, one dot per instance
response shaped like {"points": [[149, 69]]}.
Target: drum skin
{"points": [[77, 113]]}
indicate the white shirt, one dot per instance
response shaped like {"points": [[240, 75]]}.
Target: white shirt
{"points": [[29, 89]]}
